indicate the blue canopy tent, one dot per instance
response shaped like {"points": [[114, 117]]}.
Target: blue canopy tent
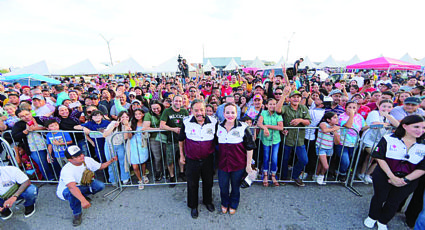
{"points": [[29, 79]]}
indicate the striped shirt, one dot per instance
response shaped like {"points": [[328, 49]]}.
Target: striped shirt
{"points": [[325, 140]]}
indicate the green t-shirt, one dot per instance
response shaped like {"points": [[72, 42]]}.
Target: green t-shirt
{"points": [[174, 119], [289, 114], [274, 136], [154, 122]]}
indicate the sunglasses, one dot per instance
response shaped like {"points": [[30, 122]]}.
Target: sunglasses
{"points": [[278, 93], [192, 91], [89, 112]]}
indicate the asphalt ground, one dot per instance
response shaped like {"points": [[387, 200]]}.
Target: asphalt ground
{"points": [[160, 207]]}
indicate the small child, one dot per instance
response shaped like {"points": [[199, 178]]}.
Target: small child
{"points": [[57, 143], [328, 136]]}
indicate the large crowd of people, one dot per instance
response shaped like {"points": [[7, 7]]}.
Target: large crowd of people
{"points": [[194, 127]]}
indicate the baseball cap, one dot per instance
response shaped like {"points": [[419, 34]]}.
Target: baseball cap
{"points": [[257, 96], [412, 100], [135, 101], [259, 85], [72, 151], [295, 92], [388, 85], [39, 97], [335, 91], [26, 87], [132, 93], [420, 87]]}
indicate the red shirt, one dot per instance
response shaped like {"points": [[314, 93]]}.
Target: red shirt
{"points": [[364, 111], [226, 91]]}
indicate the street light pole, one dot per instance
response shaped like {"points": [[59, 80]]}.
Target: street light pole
{"points": [[109, 49], [287, 50]]}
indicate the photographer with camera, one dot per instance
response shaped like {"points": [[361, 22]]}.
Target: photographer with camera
{"points": [[183, 67], [297, 65]]}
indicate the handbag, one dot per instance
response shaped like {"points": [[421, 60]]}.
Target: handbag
{"points": [[10, 192]]}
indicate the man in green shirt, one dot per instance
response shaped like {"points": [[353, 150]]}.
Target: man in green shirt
{"points": [[295, 115], [172, 120]]}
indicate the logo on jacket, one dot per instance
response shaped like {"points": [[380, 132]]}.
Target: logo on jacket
{"points": [[235, 133], [209, 131]]}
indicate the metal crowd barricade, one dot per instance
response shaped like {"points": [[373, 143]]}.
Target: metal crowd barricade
{"points": [[334, 178], [361, 149], [43, 167], [137, 138]]}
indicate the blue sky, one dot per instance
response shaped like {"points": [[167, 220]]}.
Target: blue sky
{"points": [[66, 32]]}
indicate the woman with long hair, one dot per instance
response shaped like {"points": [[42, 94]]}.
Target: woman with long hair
{"points": [[400, 158], [156, 139], [116, 142], [139, 148]]}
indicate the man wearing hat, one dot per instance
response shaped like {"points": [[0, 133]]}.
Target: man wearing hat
{"points": [[294, 115], [70, 187], [385, 87], [336, 95], [254, 110], [26, 93], [40, 106], [417, 91], [410, 107]]}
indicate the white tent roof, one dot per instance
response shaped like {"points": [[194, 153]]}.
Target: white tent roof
{"points": [[169, 66], [308, 63], [409, 59], [124, 66], [208, 66], [353, 60], [82, 68], [422, 61], [330, 62], [232, 65], [257, 63], [36, 68]]}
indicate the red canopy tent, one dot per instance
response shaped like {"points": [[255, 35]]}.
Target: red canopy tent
{"points": [[384, 63]]}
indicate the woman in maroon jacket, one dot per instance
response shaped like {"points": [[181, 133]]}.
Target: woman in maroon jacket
{"points": [[235, 155]]}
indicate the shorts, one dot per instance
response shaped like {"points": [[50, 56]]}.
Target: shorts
{"points": [[170, 152], [322, 151]]}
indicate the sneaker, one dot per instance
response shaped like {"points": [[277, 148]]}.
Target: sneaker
{"points": [[125, 182], [342, 178], [304, 175], [360, 176], [369, 222], [382, 226], [182, 176], [6, 214], [29, 211], [172, 180], [299, 182], [320, 180], [314, 177], [145, 179], [141, 185], [367, 179], [158, 176], [77, 220]]}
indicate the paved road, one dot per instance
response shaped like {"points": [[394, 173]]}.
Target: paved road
{"points": [[161, 207]]}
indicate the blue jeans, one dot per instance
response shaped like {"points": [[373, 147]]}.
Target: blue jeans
{"points": [[234, 178], [95, 187], [82, 144], [420, 222], [40, 158], [301, 153], [345, 156], [273, 156], [120, 151], [29, 195]]}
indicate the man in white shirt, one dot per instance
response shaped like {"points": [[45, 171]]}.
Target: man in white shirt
{"points": [[41, 108], [15, 185], [70, 187]]}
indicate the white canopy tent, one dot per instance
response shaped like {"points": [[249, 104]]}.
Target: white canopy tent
{"points": [[409, 59], [125, 66], [82, 68], [281, 63], [36, 68], [232, 65], [353, 60], [330, 62], [257, 63], [308, 63], [208, 66]]}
